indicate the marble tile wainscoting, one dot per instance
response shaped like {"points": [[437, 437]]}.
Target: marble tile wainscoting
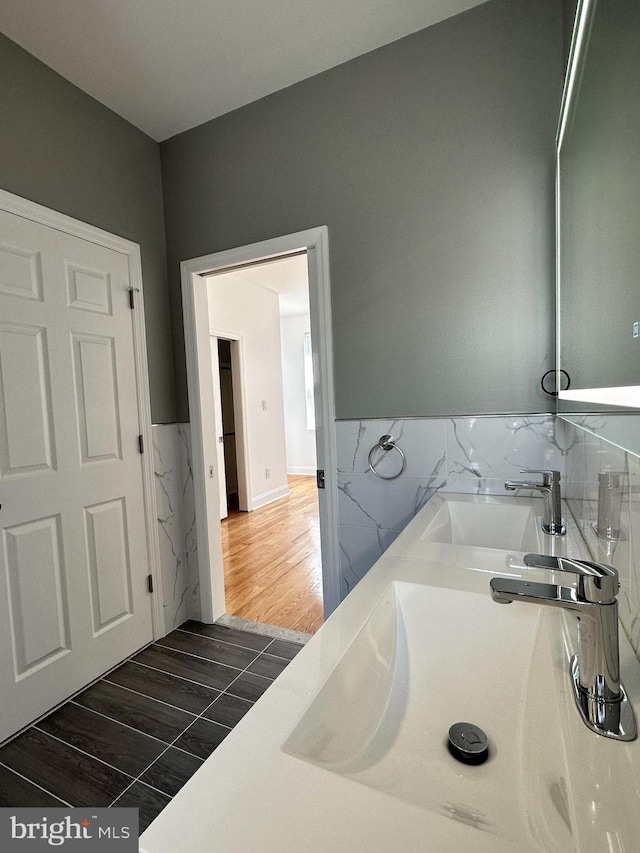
{"points": [[473, 455], [176, 522], [463, 454], [587, 455]]}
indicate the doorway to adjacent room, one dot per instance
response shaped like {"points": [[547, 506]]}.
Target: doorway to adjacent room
{"points": [[282, 518], [261, 356]]}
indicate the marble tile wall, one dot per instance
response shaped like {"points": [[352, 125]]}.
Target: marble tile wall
{"points": [[470, 455], [177, 523], [587, 455]]}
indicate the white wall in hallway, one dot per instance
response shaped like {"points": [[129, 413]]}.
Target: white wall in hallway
{"points": [[241, 307], [300, 441]]}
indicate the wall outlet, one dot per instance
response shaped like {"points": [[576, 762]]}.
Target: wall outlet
{"points": [[636, 330], [211, 471], [264, 405], [267, 473]]}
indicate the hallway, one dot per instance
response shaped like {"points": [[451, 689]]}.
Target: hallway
{"points": [[272, 561]]}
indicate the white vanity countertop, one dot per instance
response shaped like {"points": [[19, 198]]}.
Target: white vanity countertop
{"points": [[250, 795]]}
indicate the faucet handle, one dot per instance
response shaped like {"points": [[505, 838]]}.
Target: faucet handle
{"points": [[550, 476], [597, 582]]}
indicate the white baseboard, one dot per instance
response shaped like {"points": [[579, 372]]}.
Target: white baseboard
{"points": [[306, 471], [269, 497]]}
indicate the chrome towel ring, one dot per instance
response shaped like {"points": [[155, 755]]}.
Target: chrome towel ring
{"points": [[386, 443]]}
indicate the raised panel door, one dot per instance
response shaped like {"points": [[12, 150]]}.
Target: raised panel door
{"points": [[74, 600]]}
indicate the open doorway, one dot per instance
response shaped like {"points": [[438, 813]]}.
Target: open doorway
{"points": [[204, 454], [229, 422], [228, 429], [270, 538]]}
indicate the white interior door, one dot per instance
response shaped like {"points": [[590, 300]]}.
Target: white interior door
{"points": [[74, 599], [219, 427]]}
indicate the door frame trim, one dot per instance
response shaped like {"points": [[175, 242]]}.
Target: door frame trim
{"points": [[315, 241], [61, 222]]}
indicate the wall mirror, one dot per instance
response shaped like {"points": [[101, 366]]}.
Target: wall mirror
{"points": [[598, 223]]}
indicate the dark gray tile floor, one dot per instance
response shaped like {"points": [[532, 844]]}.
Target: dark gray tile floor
{"points": [[137, 735]]}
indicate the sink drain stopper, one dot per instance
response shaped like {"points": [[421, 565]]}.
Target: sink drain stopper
{"points": [[468, 743]]}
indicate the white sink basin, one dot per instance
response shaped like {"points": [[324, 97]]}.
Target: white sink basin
{"points": [[427, 658], [347, 749], [481, 532], [485, 525]]}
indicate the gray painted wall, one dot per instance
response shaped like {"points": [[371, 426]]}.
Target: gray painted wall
{"points": [[431, 161], [61, 148]]}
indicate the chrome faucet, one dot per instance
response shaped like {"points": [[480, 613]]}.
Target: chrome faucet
{"points": [[550, 488], [595, 668]]}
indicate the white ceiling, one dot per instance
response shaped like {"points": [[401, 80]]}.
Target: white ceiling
{"points": [[168, 65], [285, 276]]}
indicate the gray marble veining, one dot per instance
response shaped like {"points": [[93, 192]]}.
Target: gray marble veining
{"points": [[176, 521], [587, 456], [494, 449], [360, 548], [365, 501], [472, 455], [423, 442], [190, 541], [468, 455]]}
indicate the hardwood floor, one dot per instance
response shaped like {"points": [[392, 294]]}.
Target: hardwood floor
{"points": [[272, 564]]}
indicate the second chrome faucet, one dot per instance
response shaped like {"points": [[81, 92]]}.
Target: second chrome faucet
{"points": [[550, 487], [595, 668]]}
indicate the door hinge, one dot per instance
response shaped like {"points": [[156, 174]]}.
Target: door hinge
{"points": [[150, 583], [141, 443], [132, 303], [320, 478]]}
